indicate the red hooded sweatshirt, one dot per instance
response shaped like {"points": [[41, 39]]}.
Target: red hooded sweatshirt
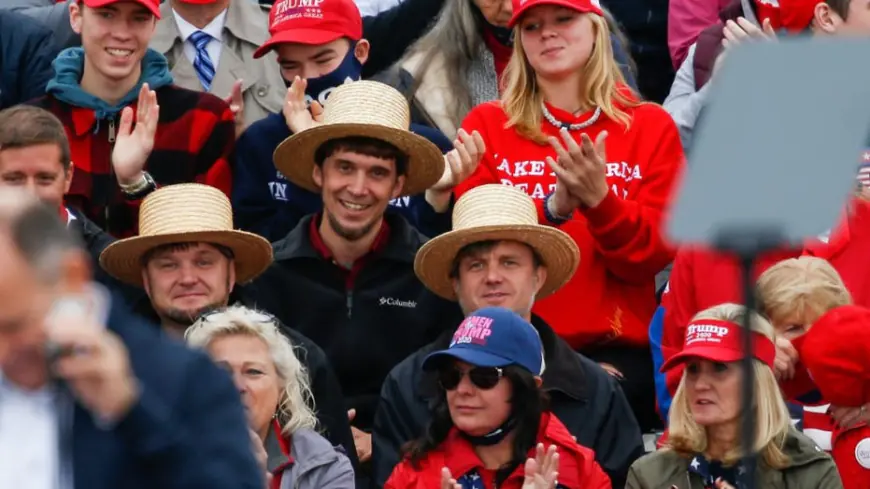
{"points": [[611, 297], [577, 466]]}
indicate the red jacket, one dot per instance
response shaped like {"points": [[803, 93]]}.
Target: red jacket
{"points": [[577, 466], [611, 297]]}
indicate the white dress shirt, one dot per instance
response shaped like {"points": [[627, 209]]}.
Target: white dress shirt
{"points": [[29, 438], [215, 29]]}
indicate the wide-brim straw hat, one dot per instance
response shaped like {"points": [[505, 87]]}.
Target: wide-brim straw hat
{"points": [[186, 213], [362, 109], [496, 212]]}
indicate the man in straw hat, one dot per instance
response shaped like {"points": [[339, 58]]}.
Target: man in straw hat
{"points": [[344, 277], [189, 260], [319, 47], [498, 255]]}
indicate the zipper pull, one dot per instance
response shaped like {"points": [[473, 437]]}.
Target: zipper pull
{"points": [[112, 131], [349, 303]]}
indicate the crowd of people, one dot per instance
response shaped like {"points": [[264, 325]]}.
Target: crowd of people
{"points": [[288, 245]]}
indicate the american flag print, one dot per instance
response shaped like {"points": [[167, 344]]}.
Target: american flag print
{"points": [[864, 169]]}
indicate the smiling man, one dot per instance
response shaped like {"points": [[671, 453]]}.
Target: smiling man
{"points": [[100, 89], [344, 276]]}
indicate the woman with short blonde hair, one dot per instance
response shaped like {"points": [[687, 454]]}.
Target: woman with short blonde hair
{"points": [[275, 391], [704, 446], [601, 164]]}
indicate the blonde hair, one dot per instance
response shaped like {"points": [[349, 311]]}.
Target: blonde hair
{"points": [[805, 287], [772, 421], [296, 404], [522, 97]]}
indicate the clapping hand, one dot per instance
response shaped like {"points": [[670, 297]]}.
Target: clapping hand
{"points": [[133, 146], [581, 171], [447, 480], [237, 105], [459, 164], [739, 31], [297, 114], [543, 470]]}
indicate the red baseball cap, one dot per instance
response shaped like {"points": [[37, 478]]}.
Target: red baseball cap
{"points": [[836, 351], [720, 341], [311, 22], [796, 15], [585, 6], [152, 5]]}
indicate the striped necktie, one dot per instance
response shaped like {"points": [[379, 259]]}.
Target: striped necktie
{"points": [[202, 63]]}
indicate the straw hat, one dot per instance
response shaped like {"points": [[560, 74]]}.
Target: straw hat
{"points": [[186, 213], [369, 109], [496, 212]]}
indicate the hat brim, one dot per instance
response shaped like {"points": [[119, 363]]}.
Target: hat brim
{"points": [[569, 4], [311, 37], [252, 254], [471, 356], [712, 353], [294, 157], [154, 9], [557, 249]]}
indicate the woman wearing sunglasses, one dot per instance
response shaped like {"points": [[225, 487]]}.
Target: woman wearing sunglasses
{"points": [[275, 392], [491, 426]]}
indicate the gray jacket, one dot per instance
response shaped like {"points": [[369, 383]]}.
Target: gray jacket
{"points": [[316, 463]]}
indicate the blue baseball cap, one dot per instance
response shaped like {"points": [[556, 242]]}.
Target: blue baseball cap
{"points": [[493, 337]]}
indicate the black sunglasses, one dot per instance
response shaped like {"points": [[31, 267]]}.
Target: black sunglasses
{"points": [[482, 377]]}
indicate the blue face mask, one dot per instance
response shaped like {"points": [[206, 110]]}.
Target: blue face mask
{"points": [[319, 88]]}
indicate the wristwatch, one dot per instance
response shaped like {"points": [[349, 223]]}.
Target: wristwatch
{"points": [[140, 189], [550, 213]]}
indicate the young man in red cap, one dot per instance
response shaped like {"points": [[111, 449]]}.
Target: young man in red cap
{"points": [[179, 136], [323, 46]]}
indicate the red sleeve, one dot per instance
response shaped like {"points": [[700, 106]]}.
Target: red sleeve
{"points": [[851, 449], [627, 232], [593, 476], [686, 20], [213, 167], [485, 172], [680, 306]]}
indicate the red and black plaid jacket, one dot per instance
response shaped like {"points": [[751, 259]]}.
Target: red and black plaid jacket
{"points": [[195, 135]]}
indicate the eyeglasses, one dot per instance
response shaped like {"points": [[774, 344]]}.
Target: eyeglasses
{"points": [[482, 377]]}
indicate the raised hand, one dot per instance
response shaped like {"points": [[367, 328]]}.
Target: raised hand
{"points": [[362, 441], [237, 106], [581, 171], [297, 114], [461, 161], [543, 470], [447, 480], [133, 145], [786, 359], [740, 31]]}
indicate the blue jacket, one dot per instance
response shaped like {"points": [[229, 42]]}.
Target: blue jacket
{"points": [[663, 396], [26, 52], [187, 431], [266, 203]]}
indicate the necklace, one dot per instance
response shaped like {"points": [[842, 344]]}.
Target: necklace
{"points": [[571, 127]]}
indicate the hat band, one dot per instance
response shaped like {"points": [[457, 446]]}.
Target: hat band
{"points": [[710, 334]]}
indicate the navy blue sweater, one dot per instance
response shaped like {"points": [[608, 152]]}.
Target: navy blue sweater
{"points": [[266, 203]]}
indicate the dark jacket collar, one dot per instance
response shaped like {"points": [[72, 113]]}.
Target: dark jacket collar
{"points": [[402, 245], [564, 371]]}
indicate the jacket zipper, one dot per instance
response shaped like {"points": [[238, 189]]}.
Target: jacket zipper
{"points": [[111, 171], [349, 302]]}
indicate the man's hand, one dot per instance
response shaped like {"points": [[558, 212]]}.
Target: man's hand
{"points": [[581, 171], [447, 480], [459, 164], [297, 114], [237, 105], [96, 366], [361, 440], [739, 31], [786, 359], [133, 146]]}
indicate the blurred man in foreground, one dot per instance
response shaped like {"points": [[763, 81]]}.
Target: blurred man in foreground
{"points": [[90, 396]]}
